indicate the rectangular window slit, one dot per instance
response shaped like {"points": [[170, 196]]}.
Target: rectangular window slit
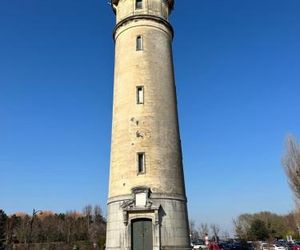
{"points": [[140, 94], [141, 163], [139, 43], [139, 4]]}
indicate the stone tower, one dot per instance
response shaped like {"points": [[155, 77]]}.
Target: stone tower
{"points": [[147, 200]]}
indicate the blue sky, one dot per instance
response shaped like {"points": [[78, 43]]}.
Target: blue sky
{"points": [[237, 74]]}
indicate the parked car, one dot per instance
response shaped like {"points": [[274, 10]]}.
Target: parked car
{"points": [[279, 247], [267, 246], [289, 245], [226, 246], [213, 246], [295, 247], [250, 246], [199, 244]]}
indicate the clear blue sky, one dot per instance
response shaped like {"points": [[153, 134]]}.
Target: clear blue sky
{"points": [[238, 82]]}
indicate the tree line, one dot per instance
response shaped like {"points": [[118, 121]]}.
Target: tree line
{"points": [[265, 226], [48, 227], [250, 227]]}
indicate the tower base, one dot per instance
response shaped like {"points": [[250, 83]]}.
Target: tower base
{"points": [[139, 221]]}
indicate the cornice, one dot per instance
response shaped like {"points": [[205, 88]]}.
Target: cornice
{"points": [[144, 17]]}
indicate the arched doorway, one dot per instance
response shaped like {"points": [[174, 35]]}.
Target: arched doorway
{"points": [[141, 234]]}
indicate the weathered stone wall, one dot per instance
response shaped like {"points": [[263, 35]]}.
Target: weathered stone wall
{"points": [[151, 127], [172, 228]]}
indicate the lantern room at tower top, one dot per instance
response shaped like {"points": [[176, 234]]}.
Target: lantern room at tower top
{"points": [[125, 8]]}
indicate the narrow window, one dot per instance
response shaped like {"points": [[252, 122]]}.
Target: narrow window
{"points": [[140, 95], [141, 163], [139, 4], [139, 43]]}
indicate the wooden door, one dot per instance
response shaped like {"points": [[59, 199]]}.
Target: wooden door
{"points": [[142, 238]]}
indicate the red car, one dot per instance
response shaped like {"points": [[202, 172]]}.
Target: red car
{"points": [[214, 246], [295, 247]]}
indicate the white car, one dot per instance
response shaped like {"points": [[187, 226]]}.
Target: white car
{"points": [[267, 246], [278, 247], [199, 244]]}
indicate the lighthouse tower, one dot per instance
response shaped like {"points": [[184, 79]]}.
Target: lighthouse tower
{"points": [[147, 200]]}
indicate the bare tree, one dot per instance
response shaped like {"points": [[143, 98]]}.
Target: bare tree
{"points": [[242, 225], [3, 220], [87, 212], [193, 232], [291, 164], [203, 229], [97, 213], [225, 235], [215, 231], [97, 228]]}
